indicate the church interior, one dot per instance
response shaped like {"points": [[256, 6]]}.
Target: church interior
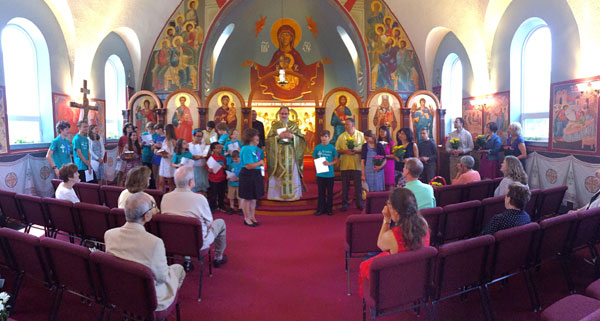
{"points": [[394, 64]]}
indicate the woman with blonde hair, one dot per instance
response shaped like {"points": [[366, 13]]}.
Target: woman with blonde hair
{"points": [[516, 143], [403, 229], [513, 172], [138, 179]]}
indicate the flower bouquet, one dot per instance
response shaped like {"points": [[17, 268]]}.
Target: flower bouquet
{"points": [[437, 181], [399, 151], [4, 297], [455, 143], [350, 143], [480, 141], [377, 160]]}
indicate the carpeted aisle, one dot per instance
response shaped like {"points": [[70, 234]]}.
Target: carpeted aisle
{"points": [[292, 268]]}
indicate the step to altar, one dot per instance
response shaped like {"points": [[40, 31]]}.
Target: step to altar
{"points": [[306, 205]]}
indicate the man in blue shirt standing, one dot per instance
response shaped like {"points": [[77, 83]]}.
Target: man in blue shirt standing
{"points": [[81, 151], [59, 152], [325, 180]]}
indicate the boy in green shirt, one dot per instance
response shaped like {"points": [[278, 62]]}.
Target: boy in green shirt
{"points": [[325, 180], [59, 152]]}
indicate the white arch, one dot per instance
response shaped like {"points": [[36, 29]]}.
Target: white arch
{"points": [[132, 42], [432, 43]]}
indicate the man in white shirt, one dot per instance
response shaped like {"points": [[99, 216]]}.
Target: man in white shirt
{"points": [[132, 242], [182, 201], [594, 201], [466, 144]]}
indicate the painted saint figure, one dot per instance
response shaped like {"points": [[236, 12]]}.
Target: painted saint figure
{"points": [[226, 112], [384, 116], [422, 118], [338, 118], [182, 120]]}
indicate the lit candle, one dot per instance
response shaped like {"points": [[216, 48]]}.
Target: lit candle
{"points": [[281, 75]]}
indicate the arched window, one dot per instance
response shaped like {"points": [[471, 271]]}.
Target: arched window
{"points": [[28, 85], [114, 91], [530, 66], [452, 89]]}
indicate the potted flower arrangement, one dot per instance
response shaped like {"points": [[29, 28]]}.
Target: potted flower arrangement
{"points": [[350, 143], [455, 143], [480, 141], [399, 151], [377, 160], [4, 313], [437, 181]]}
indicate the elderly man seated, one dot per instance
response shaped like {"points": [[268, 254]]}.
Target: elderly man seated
{"points": [[594, 201], [514, 215], [132, 242], [182, 201], [465, 173], [413, 168]]}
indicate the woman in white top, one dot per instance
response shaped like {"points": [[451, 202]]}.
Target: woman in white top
{"points": [[70, 175], [200, 172], [138, 179], [97, 151], [513, 172], [166, 171]]}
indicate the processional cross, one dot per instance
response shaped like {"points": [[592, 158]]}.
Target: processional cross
{"points": [[86, 103]]}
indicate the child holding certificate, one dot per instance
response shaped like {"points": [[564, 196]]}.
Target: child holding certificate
{"points": [[328, 155]]}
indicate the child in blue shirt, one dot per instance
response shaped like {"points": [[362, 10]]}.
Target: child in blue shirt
{"points": [[222, 132], [325, 180], [233, 183], [232, 144], [181, 151]]}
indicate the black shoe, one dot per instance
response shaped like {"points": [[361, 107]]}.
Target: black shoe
{"points": [[255, 224], [251, 225], [240, 213], [329, 213], [187, 266], [318, 213], [221, 262], [230, 211]]}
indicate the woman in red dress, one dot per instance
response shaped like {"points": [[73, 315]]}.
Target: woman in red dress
{"points": [[403, 229]]}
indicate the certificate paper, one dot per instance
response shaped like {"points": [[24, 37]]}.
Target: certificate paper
{"points": [[187, 162], [320, 167], [89, 176], [230, 175], [147, 139], [281, 130], [213, 165]]}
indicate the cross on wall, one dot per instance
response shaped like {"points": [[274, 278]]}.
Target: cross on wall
{"points": [[86, 103]]}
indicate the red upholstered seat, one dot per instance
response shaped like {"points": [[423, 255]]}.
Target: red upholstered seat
{"points": [[513, 254], [89, 193], [71, 271], [156, 194], [549, 202], [585, 235], [375, 202], [495, 183], [111, 195], [476, 191], [62, 216], [10, 207], [398, 282], [572, 308], [118, 217], [95, 220], [462, 265], [33, 211], [129, 286], [433, 216], [55, 182], [182, 236], [448, 194], [459, 221], [362, 232], [593, 290], [489, 207], [531, 206]]}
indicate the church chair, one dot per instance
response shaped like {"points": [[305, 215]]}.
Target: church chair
{"points": [[549, 201], [362, 232], [489, 207], [448, 194], [432, 216], [117, 217], [574, 307], [495, 183], [111, 195], [89, 193], [593, 290], [63, 218], [55, 182], [586, 234], [476, 191], [10, 208], [399, 282], [553, 243], [375, 202], [70, 270], [513, 254], [26, 259], [156, 194], [182, 236], [461, 267], [459, 221], [127, 287], [531, 206], [34, 212], [95, 220]]}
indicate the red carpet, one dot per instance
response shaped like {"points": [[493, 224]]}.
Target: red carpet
{"points": [[292, 268]]}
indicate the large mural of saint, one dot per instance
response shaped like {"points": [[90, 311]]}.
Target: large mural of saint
{"points": [[423, 114], [340, 106], [182, 113], [174, 61], [225, 106], [393, 61], [302, 81], [384, 110]]}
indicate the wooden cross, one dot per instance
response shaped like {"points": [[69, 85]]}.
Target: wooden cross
{"points": [[86, 103]]}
